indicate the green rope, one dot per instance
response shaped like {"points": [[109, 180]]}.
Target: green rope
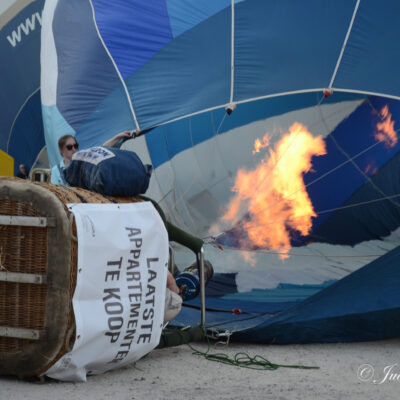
{"points": [[243, 360]]}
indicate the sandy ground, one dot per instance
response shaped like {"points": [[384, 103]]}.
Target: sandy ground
{"points": [[175, 373]]}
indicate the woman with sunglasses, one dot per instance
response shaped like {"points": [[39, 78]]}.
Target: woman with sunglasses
{"points": [[68, 146]]}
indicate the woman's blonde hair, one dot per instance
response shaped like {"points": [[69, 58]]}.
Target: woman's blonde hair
{"points": [[63, 140]]}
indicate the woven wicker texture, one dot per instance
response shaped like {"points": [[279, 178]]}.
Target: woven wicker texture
{"points": [[22, 249], [25, 249]]}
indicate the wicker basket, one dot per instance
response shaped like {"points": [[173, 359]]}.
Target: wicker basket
{"points": [[38, 258]]}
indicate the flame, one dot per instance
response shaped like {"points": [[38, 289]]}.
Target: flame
{"points": [[385, 129], [371, 168], [274, 192], [258, 144]]}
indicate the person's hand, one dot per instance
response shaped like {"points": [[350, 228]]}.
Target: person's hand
{"points": [[122, 135], [171, 284]]}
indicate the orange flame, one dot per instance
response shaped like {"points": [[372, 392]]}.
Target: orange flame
{"points": [[371, 168], [258, 144], [385, 129], [275, 192]]}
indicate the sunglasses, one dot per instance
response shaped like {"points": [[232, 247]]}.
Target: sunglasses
{"points": [[70, 146]]}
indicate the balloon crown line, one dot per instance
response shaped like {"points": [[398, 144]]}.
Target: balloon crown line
{"points": [[231, 107]]}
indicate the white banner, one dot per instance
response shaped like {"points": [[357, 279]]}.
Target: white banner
{"points": [[94, 155], [120, 293]]}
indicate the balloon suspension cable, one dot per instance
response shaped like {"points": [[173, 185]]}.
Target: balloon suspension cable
{"points": [[220, 124], [229, 108], [283, 252], [351, 159], [212, 238], [135, 133]]}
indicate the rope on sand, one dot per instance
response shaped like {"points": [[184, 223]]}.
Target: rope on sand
{"points": [[241, 360]]}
